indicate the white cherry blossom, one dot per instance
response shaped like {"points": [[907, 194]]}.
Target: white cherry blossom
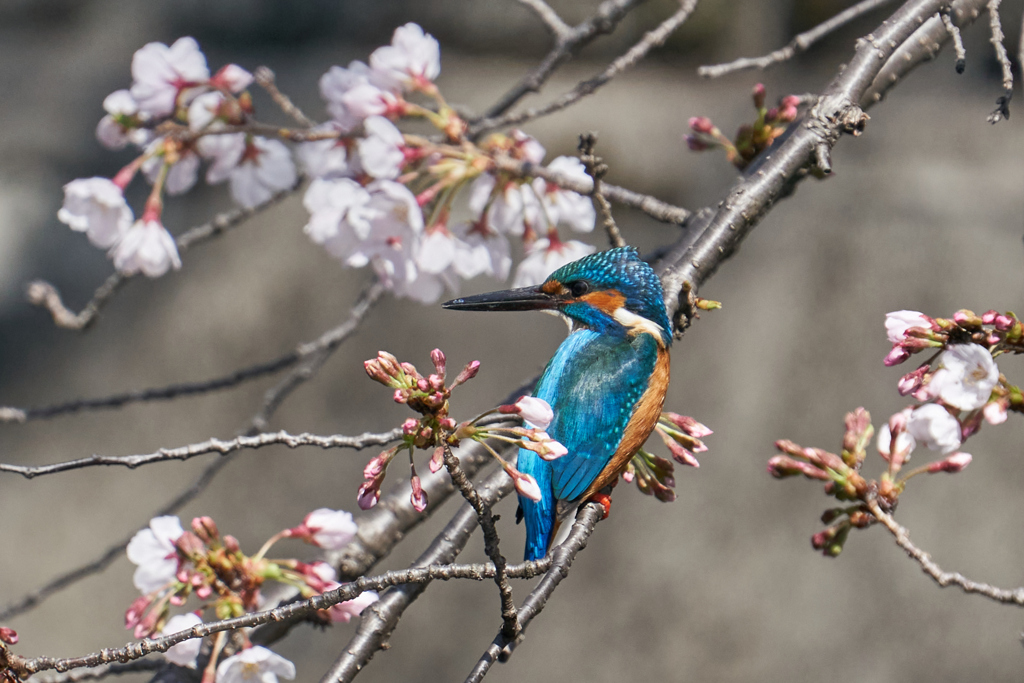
{"points": [[545, 257], [111, 131], [436, 251], [96, 206], [380, 152], [232, 78], [528, 147], [966, 376], [905, 443], [328, 529], [336, 84], [181, 176], [161, 73], [366, 99], [340, 215], [152, 549], [254, 665], [426, 288], [480, 250], [898, 322], [933, 426], [148, 248], [412, 56], [204, 110], [344, 611], [257, 167], [327, 158], [536, 411], [185, 652], [509, 209], [565, 206]]}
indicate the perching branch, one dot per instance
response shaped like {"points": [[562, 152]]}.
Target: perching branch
{"points": [[364, 440], [799, 44], [42, 293], [651, 40], [100, 672], [929, 567], [607, 17], [485, 519], [561, 559]]}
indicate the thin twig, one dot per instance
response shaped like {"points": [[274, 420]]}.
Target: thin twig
{"points": [[101, 672], [596, 169], [655, 208], [214, 445], [380, 619], [37, 596], [929, 567], [510, 625], [561, 559], [651, 40], [44, 294], [558, 28], [958, 42], [1002, 110], [607, 17], [265, 79], [799, 44], [417, 575]]}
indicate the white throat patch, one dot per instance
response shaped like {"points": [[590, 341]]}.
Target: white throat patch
{"points": [[638, 323]]}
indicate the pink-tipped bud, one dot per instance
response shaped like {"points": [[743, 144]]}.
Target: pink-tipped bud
{"points": [[688, 425], [177, 600], [133, 615], [526, 485], [896, 356], [468, 373], [995, 412], [439, 361], [231, 544], [701, 124], [8, 635], [203, 592], [970, 426], [912, 381], [823, 538], [205, 528], [410, 370], [628, 476], [790, 101], [989, 317], [418, 497], [758, 95], [400, 396], [695, 143], [368, 495], [189, 545], [437, 460], [781, 466], [409, 427], [436, 382], [533, 410], [1003, 322], [953, 464], [232, 77], [422, 384], [967, 319], [681, 455], [447, 424]]}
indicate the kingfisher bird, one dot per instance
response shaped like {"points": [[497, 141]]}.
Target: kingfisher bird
{"points": [[606, 383]]}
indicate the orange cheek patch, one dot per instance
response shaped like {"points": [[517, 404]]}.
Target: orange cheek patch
{"points": [[553, 287], [607, 301]]}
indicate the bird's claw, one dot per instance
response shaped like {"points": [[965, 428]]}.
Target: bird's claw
{"points": [[605, 500]]}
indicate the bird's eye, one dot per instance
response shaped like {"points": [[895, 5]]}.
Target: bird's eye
{"points": [[579, 288]]}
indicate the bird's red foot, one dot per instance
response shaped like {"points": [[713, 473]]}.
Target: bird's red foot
{"points": [[605, 500]]}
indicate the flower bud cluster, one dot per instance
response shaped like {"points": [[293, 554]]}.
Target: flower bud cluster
{"points": [[655, 475], [751, 139]]}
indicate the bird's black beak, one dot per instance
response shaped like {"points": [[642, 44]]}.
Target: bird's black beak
{"points": [[522, 299]]}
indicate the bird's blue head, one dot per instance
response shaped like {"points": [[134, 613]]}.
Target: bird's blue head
{"points": [[612, 292]]}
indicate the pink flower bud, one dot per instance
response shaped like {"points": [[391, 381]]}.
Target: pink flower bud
{"points": [[993, 338], [535, 411], [400, 396], [437, 460], [688, 425], [896, 356], [701, 124], [695, 143], [203, 592], [8, 635], [953, 464], [205, 528], [379, 464], [447, 424], [422, 384], [409, 427], [232, 77], [781, 466], [970, 426], [410, 370], [758, 95], [989, 317], [133, 615], [628, 476], [369, 494], [418, 497], [995, 412], [436, 382], [440, 365], [526, 485], [468, 373], [912, 381], [177, 600], [231, 544], [681, 455], [189, 545], [1003, 322]]}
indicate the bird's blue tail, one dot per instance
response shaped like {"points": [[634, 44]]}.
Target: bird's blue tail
{"points": [[539, 516]]}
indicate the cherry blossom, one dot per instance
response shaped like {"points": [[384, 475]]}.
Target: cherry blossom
{"points": [[185, 652], [117, 128], [953, 464], [344, 611], [526, 485], [205, 109], [96, 206], [340, 215], [152, 549], [412, 58], [527, 147], [933, 426], [327, 158], [535, 411], [966, 376], [565, 206], [232, 78], [995, 412], [254, 664], [509, 209], [336, 84], [380, 152], [905, 443], [898, 322], [436, 251], [146, 247], [181, 175], [161, 74], [326, 528], [545, 256], [405, 280], [258, 168], [480, 250]]}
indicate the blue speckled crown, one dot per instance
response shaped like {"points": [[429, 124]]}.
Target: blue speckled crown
{"points": [[621, 269]]}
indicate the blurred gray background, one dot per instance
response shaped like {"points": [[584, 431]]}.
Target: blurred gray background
{"points": [[923, 212]]}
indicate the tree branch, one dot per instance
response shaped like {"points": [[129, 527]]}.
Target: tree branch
{"points": [[101, 672], [265, 79], [561, 30], [651, 40], [607, 17], [799, 44], [929, 567], [1002, 110], [561, 559]]}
